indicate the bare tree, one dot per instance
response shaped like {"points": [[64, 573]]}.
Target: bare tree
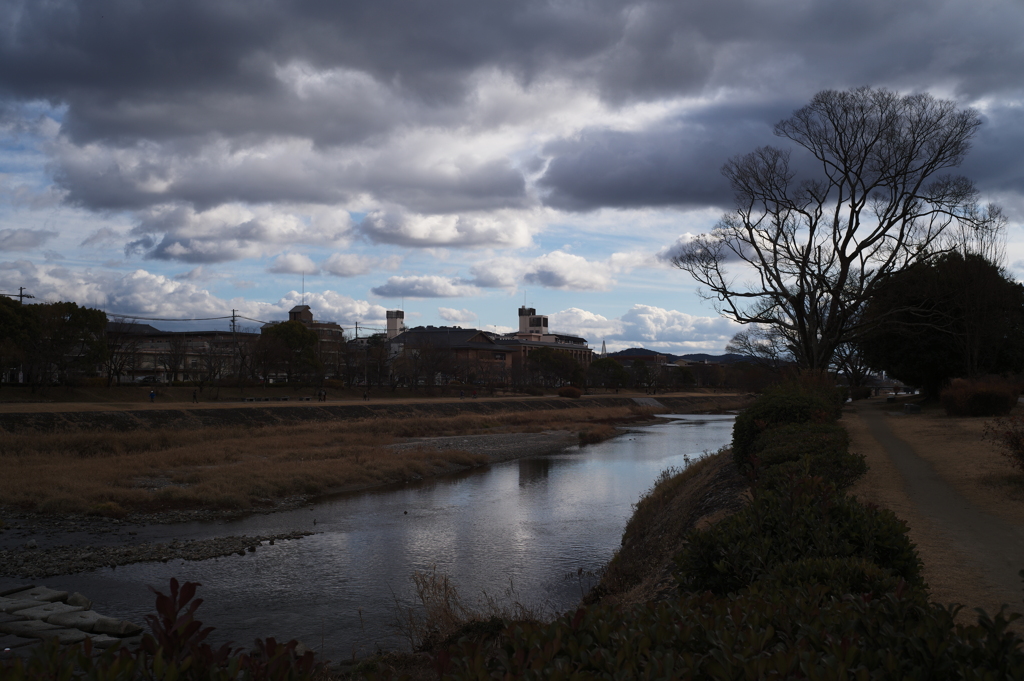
{"points": [[122, 348], [765, 345], [174, 358], [811, 250]]}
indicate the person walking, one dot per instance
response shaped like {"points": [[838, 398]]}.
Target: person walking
{"points": [[152, 395], [195, 397]]}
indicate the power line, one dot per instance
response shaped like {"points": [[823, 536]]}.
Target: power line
{"points": [[166, 319]]}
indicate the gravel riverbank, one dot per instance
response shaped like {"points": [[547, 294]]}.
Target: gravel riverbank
{"points": [[31, 562]]}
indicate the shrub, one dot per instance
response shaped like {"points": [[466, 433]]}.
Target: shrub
{"points": [[809, 449], [779, 634], [1008, 432], [532, 390], [776, 408], [805, 518], [980, 397], [860, 393], [570, 391], [597, 433], [852, 575]]}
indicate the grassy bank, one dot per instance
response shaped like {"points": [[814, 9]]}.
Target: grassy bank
{"points": [[804, 581], [113, 473]]}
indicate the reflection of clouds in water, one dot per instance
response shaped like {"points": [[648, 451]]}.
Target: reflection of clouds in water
{"points": [[531, 521]]}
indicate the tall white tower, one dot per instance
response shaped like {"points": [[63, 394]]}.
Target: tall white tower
{"points": [[396, 322], [532, 323]]}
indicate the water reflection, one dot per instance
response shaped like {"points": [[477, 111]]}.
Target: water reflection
{"points": [[526, 522], [533, 470]]}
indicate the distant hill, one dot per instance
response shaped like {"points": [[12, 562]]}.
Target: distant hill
{"points": [[727, 358]]}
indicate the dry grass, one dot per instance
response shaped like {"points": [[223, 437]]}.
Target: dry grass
{"points": [[111, 473], [441, 615], [699, 495]]}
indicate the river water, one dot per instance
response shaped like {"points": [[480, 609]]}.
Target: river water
{"points": [[528, 523]]}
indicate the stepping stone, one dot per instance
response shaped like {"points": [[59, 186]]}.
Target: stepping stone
{"points": [[119, 628], [41, 593], [27, 628], [14, 590], [64, 636], [14, 604], [82, 619], [102, 641], [41, 612], [8, 641]]}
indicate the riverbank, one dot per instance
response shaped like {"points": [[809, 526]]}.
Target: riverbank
{"points": [[151, 466], [123, 477]]}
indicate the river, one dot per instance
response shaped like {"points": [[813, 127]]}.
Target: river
{"points": [[528, 523]]}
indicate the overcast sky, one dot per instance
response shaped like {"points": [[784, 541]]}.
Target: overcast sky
{"points": [[454, 158]]}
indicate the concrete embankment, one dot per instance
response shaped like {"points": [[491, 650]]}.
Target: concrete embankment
{"points": [[260, 415]]}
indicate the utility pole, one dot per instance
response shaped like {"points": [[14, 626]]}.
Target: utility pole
{"points": [[20, 294]]}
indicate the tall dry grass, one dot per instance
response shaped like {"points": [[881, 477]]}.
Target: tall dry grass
{"points": [[240, 467], [441, 615]]}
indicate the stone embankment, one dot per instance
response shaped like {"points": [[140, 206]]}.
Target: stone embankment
{"points": [[30, 615], [30, 562], [186, 418]]}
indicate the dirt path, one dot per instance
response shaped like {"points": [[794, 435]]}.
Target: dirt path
{"points": [[971, 555]]}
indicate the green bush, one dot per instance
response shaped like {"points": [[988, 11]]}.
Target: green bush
{"points": [[841, 575], [775, 634], [570, 391], [980, 397], [809, 449], [805, 518], [1008, 432], [860, 393], [773, 409]]}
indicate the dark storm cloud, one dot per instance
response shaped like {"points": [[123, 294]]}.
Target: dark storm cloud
{"points": [[995, 161], [151, 70], [127, 68], [678, 163], [161, 102]]}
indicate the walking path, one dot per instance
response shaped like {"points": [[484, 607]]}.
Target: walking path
{"points": [[971, 556]]}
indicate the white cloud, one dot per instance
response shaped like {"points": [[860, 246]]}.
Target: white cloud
{"points": [[666, 254], [498, 273], [462, 316], [352, 265], [586, 324], [293, 263], [508, 229], [424, 287], [143, 293], [652, 327], [24, 239], [233, 231], [562, 270]]}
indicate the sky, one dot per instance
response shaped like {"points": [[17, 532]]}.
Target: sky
{"points": [[183, 159]]}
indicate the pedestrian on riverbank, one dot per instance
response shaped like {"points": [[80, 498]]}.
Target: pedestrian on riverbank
{"points": [[195, 397], [152, 395]]}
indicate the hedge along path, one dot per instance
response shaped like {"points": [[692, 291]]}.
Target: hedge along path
{"points": [[971, 556]]}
